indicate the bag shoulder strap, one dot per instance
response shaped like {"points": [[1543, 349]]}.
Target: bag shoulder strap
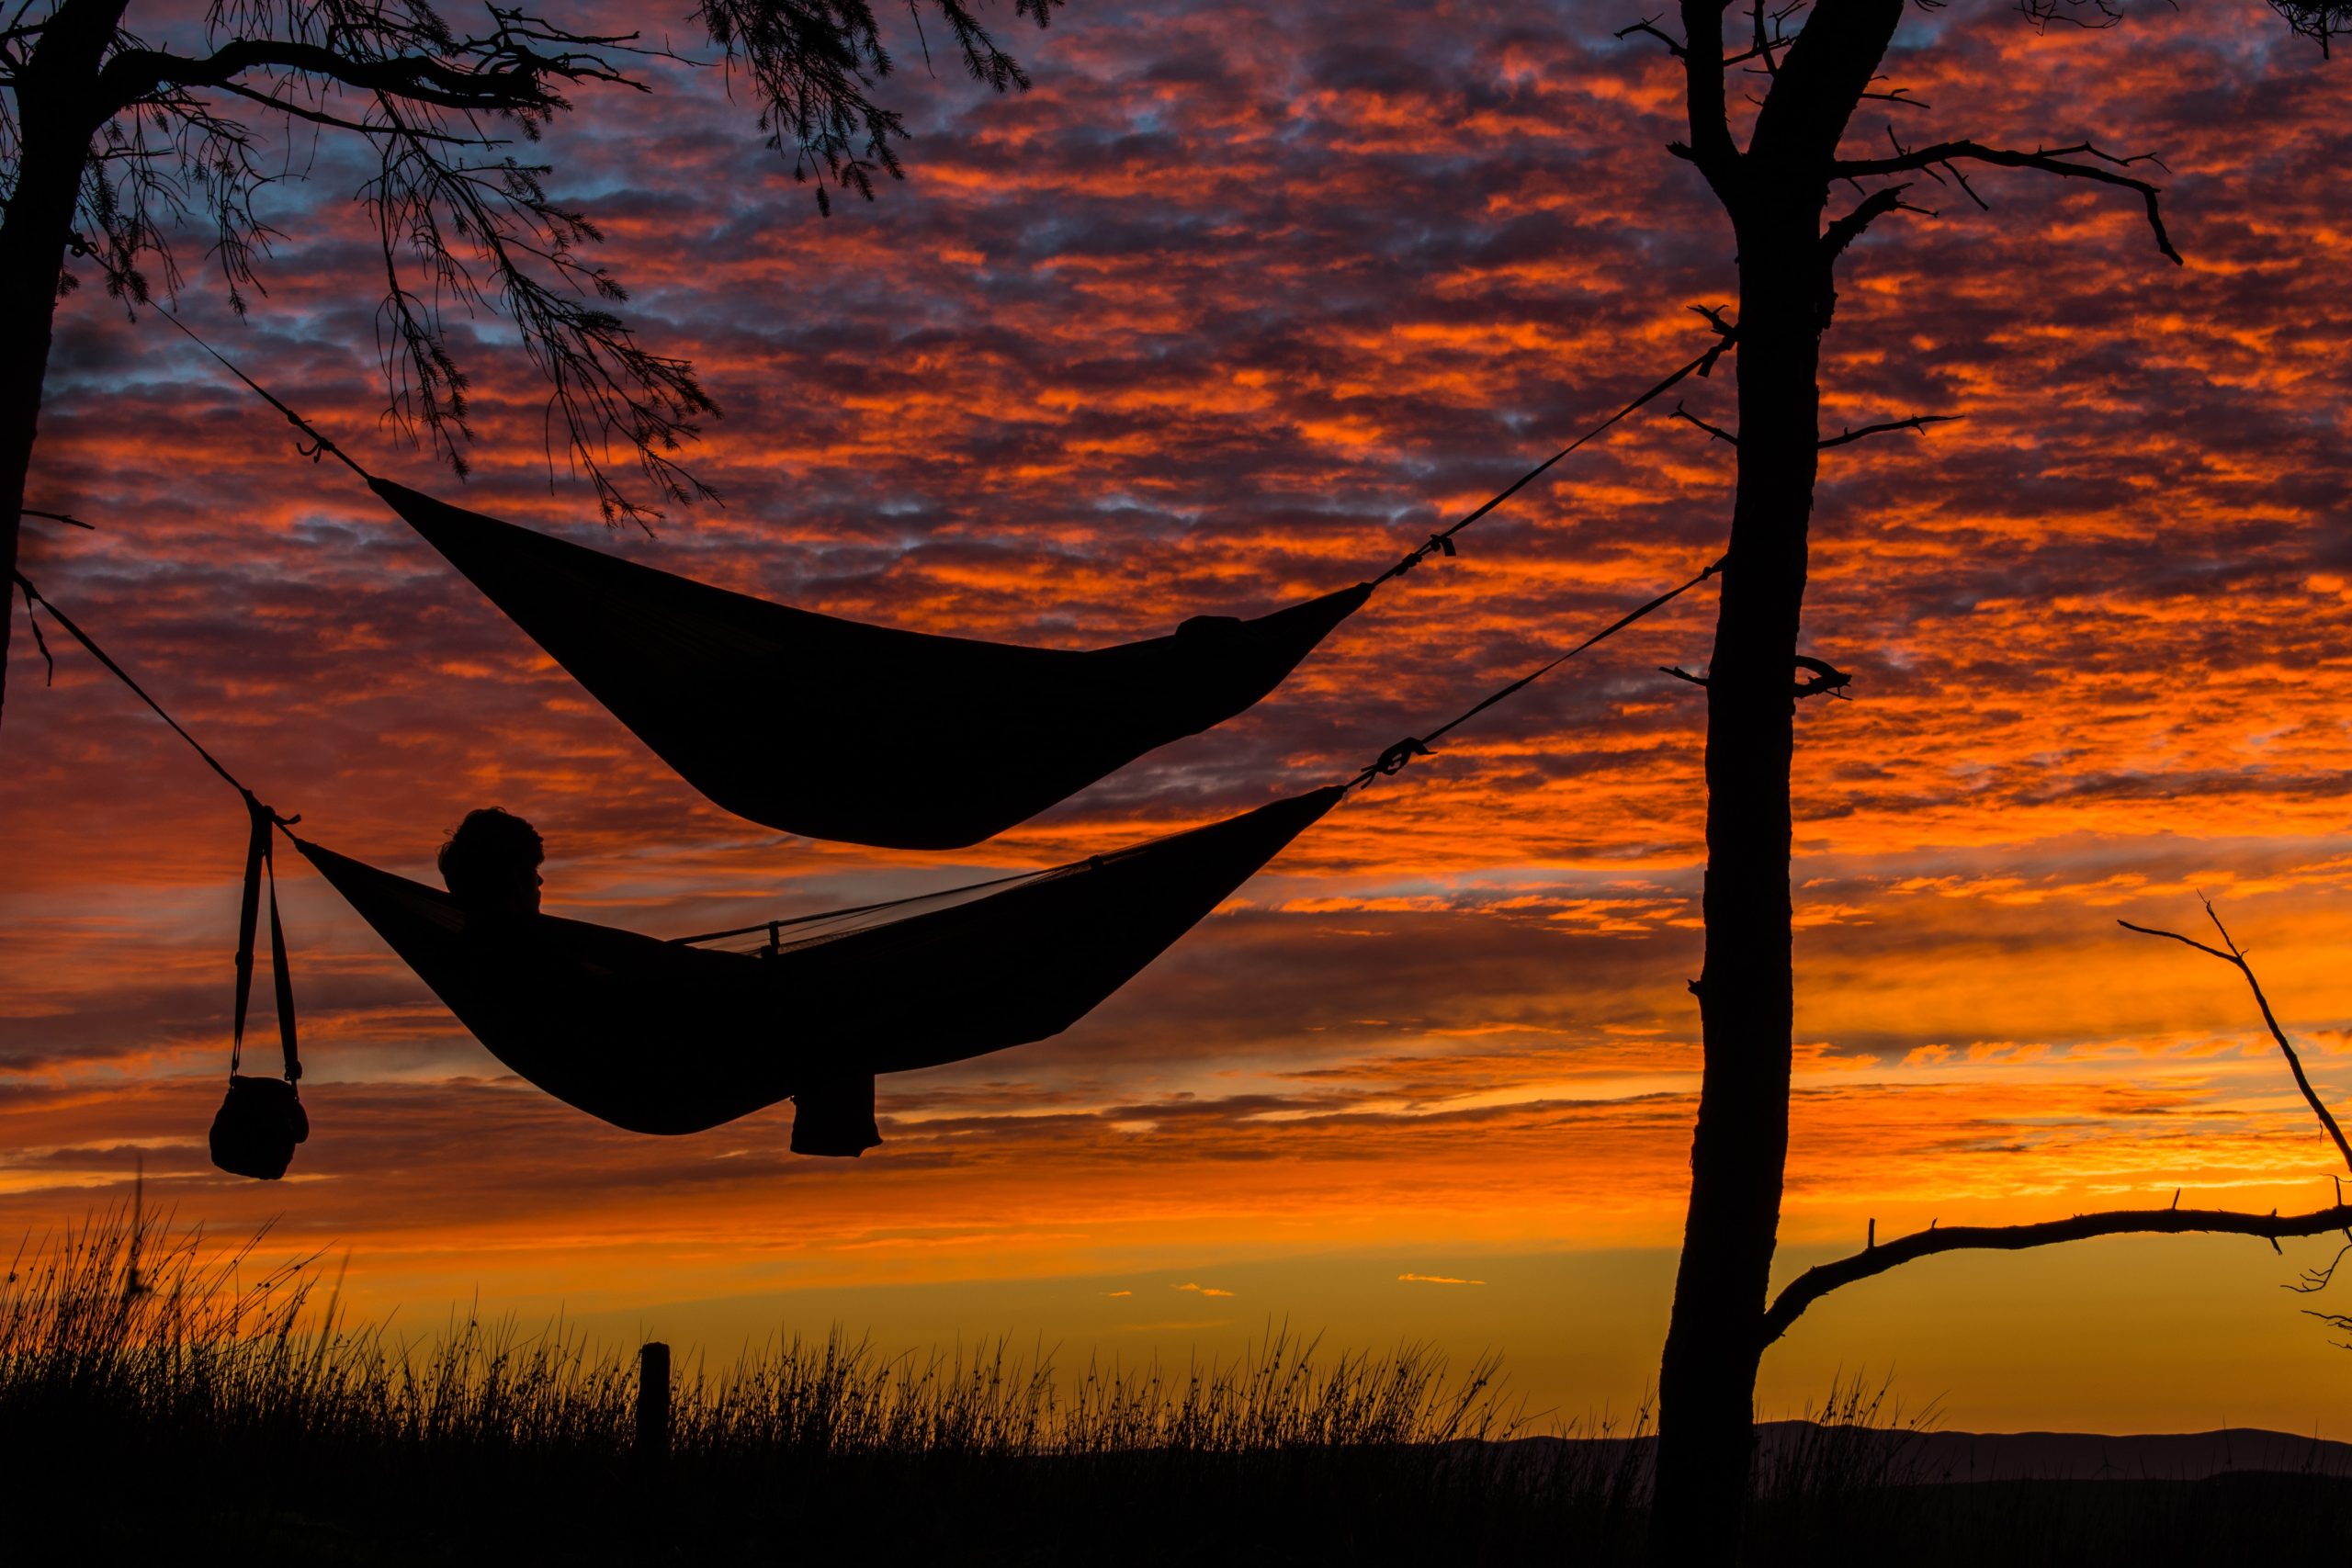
{"points": [[261, 864]]}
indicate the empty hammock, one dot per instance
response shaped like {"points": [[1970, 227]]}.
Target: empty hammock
{"points": [[836, 729], [667, 1037]]}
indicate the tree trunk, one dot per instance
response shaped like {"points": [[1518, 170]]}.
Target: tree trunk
{"points": [[1707, 1380], [55, 99], [1775, 191]]}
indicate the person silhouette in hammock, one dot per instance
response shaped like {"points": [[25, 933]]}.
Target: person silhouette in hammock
{"points": [[491, 862], [491, 865]]}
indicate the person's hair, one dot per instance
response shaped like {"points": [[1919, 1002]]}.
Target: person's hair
{"points": [[485, 851]]}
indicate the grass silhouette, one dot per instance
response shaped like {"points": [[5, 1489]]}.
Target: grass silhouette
{"points": [[167, 1387], [159, 1393]]}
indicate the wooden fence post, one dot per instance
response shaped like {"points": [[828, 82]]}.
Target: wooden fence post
{"points": [[653, 1403]]}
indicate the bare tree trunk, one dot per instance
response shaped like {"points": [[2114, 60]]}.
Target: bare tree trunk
{"points": [[1775, 191], [1706, 1383], [55, 95]]}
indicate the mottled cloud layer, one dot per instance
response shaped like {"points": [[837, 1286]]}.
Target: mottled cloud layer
{"points": [[1231, 309]]}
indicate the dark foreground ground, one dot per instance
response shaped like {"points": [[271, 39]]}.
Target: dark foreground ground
{"points": [[119, 1497], [166, 1402]]}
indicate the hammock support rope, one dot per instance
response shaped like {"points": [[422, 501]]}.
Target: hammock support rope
{"points": [[1394, 760], [1441, 543]]}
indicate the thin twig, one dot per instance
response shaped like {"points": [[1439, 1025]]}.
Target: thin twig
{"points": [[2102, 166], [1717, 431], [2236, 957], [1918, 422], [1672, 47]]}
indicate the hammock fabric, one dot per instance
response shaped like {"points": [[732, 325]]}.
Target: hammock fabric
{"points": [[666, 1037], [837, 729]]}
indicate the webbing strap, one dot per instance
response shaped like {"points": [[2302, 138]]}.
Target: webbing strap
{"points": [[1727, 337], [34, 596], [1393, 759], [1440, 543], [260, 862], [320, 446]]}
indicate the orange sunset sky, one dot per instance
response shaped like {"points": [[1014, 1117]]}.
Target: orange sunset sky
{"points": [[1239, 302]]}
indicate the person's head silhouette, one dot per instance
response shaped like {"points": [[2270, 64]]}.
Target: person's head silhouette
{"points": [[491, 863]]}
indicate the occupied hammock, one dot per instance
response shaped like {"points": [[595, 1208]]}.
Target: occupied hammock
{"points": [[670, 1037], [837, 729]]}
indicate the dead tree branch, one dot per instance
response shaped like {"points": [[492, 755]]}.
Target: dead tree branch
{"points": [[1717, 431], [2317, 1280], [2105, 168], [1828, 681], [1918, 422], [1819, 1281], [1843, 231], [1815, 1284], [1654, 30], [2236, 957]]}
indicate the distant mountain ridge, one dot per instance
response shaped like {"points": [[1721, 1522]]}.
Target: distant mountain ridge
{"points": [[2094, 1456], [1959, 1458]]}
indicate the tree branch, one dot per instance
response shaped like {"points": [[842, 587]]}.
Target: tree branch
{"points": [[1844, 232], [2236, 957], [1815, 1282], [1819, 1281], [1710, 146], [512, 80], [1652, 28], [2318, 20], [2105, 170], [1918, 422], [336, 122], [1828, 681], [1717, 431], [1828, 66]]}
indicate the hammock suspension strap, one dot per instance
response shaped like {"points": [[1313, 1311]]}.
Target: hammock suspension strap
{"points": [[1438, 544], [1393, 760], [1726, 338], [318, 446], [260, 862]]}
